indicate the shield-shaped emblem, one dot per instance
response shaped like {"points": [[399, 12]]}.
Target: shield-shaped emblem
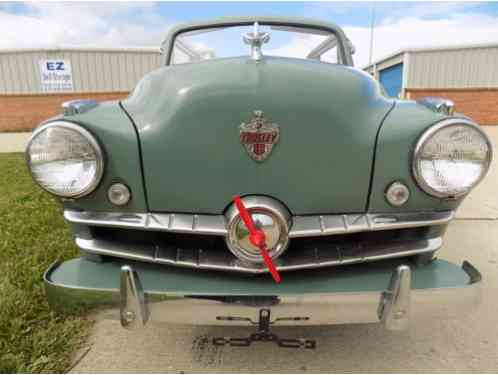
{"points": [[259, 136]]}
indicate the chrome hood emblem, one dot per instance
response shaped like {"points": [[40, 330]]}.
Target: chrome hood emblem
{"points": [[259, 136], [256, 39]]}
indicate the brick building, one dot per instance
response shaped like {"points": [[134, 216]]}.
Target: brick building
{"points": [[468, 75], [35, 82]]}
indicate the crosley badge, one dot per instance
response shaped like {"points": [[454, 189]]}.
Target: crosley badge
{"points": [[259, 136]]}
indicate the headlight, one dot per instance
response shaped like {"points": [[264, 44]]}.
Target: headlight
{"points": [[65, 159], [451, 158]]}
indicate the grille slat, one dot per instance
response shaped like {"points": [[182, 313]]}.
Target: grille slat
{"points": [[210, 252], [302, 226]]}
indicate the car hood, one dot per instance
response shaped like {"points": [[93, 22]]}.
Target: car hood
{"points": [[188, 119]]}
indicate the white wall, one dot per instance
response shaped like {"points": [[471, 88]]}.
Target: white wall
{"points": [[92, 70]]}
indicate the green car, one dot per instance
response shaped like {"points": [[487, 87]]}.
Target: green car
{"points": [[258, 178]]}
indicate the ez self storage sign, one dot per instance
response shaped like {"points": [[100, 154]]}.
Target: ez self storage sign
{"points": [[56, 75]]}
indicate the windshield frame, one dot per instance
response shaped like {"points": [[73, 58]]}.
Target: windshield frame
{"points": [[343, 47]]}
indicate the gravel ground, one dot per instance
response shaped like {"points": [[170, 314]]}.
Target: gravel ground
{"points": [[466, 344]]}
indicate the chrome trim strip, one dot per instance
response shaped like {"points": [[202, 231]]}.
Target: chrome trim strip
{"points": [[326, 225], [324, 309], [78, 106], [227, 262], [178, 223], [302, 226], [439, 105]]}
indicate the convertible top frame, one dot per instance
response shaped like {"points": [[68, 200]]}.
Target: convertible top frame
{"points": [[342, 41]]}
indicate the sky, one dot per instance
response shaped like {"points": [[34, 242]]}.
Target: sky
{"points": [[398, 25]]}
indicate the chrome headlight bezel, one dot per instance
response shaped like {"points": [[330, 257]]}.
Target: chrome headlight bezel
{"points": [[89, 137], [427, 136]]}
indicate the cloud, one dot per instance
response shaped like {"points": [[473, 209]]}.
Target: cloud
{"points": [[391, 9], [421, 9], [392, 35], [411, 32], [399, 26], [97, 24], [299, 46]]}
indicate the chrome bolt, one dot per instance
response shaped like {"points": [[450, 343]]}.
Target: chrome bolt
{"points": [[399, 314], [129, 316]]}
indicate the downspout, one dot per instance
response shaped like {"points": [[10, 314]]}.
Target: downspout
{"points": [[404, 81]]}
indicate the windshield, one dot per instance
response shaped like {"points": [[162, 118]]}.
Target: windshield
{"points": [[284, 41]]}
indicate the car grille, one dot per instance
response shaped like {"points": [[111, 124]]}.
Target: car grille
{"points": [[210, 251]]}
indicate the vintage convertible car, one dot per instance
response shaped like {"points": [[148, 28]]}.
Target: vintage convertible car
{"points": [[259, 178]]}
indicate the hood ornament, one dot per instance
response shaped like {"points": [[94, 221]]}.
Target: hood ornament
{"points": [[256, 40], [259, 136]]}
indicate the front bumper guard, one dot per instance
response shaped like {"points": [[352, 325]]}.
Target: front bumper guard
{"points": [[393, 306]]}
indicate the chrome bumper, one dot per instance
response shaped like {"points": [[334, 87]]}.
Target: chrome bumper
{"points": [[136, 294]]}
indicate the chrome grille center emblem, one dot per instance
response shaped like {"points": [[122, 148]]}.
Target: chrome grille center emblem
{"points": [[268, 215], [259, 136]]}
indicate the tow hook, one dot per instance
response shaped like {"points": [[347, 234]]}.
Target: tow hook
{"points": [[264, 333]]}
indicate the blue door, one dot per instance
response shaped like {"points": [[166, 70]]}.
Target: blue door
{"points": [[392, 79]]}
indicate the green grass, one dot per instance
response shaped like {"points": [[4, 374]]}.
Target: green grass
{"points": [[32, 235]]}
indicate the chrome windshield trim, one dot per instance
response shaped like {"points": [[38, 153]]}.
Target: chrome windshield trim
{"points": [[302, 226]]}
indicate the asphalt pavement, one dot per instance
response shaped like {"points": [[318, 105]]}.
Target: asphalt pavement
{"points": [[464, 344]]}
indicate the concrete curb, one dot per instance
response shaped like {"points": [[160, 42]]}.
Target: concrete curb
{"points": [[13, 142]]}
